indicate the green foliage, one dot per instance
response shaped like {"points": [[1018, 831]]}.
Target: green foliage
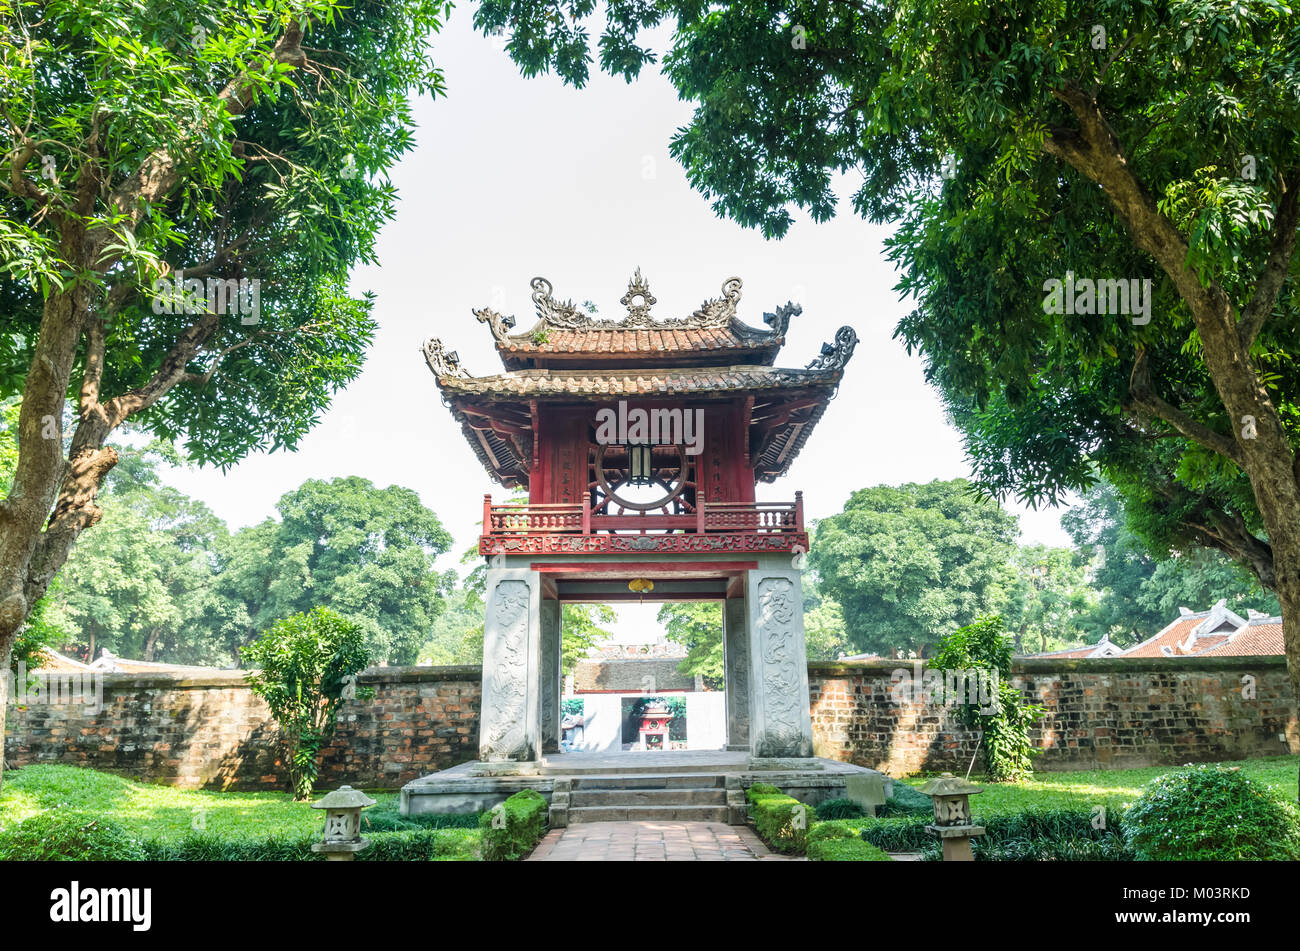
{"points": [[906, 801], [412, 845], [839, 809], [307, 663], [386, 817], [1139, 594], [69, 835], [1005, 721], [581, 629], [1212, 813], [908, 565], [780, 820], [840, 842], [976, 139], [698, 626], [364, 552], [1048, 595], [513, 828]]}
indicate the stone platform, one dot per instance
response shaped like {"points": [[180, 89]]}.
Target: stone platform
{"points": [[679, 785]]}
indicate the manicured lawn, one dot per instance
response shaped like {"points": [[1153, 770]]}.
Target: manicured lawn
{"points": [[1112, 788], [161, 813]]}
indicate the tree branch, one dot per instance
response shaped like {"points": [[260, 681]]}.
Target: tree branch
{"points": [[1146, 400], [1276, 268]]}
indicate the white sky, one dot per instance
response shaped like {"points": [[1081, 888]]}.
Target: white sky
{"points": [[513, 178]]}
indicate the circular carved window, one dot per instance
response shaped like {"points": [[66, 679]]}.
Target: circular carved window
{"points": [[619, 481]]}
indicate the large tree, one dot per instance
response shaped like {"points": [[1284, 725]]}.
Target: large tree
{"points": [[1018, 144], [366, 553], [232, 140], [909, 564]]}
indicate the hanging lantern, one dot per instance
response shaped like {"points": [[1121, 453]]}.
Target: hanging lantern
{"points": [[639, 464], [641, 586]]}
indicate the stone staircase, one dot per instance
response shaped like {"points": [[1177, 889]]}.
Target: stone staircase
{"points": [[690, 796]]}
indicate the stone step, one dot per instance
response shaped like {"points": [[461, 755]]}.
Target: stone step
{"points": [[714, 796], [651, 781], [606, 768], [647, 813]]}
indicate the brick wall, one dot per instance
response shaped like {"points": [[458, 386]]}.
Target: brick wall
{"points": [[211, 731], [1104, 713]]}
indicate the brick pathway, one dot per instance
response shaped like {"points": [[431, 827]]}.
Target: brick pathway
{"points": [[652, 842]]}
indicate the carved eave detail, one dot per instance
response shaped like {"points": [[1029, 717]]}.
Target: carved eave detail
{"points": [[443, 362], [835, 356]]}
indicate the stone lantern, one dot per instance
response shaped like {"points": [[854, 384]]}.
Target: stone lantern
{"points": [[342, 837], [952, 824]]}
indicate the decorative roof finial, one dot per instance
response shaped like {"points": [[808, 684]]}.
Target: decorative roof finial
{"points": [[638, 290]]}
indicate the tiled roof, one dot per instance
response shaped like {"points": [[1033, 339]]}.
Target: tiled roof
{"points": [[658, 340], [646, 382], [1215, 633], [629, 675]]}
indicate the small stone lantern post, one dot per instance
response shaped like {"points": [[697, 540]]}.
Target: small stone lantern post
{"points": [[951, 799], [342, 840]]}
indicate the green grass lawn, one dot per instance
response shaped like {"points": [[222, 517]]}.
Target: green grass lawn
{"points": [[162, 813], [1112, 788]]}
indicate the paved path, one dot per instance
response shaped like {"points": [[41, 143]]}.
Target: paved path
{"points": [[652, 842]]}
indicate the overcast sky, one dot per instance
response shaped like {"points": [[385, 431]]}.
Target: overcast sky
{"points": [[513, 178]]}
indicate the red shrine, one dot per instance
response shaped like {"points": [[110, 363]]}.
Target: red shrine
{"points": [[639, 443]]}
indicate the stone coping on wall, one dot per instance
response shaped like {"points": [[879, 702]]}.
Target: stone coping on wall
{"points": [[183, 680], [1053, 665]]}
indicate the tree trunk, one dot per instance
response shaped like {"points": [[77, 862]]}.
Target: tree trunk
{"points": [[6, 652], [150, 644]]}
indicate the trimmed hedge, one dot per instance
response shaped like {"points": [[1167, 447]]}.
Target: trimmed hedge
{"points": [[838, 841], [421, 845], [387, 818], [66, 835], [512, 829], [781, 821]]}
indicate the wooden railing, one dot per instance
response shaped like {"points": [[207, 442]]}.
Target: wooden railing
{"points": [[523, 518]]}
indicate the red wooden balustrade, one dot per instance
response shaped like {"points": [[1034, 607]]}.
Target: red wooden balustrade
{"points": [[519, 518]]}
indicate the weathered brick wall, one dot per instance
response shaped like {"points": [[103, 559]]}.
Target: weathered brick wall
{"points": [[212, 731], [1105, 713]]}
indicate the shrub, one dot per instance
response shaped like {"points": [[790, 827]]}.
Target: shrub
{"points": [[898, 834], [387, 818], [420, 845], [838, 841], [1208, 813], [513, 828], [308, 663], [840, 809], [1004, 722], [905, 801], [759, 790], [68, 835]]}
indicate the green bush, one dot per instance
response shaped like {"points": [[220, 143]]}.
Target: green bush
{"points": [[1209, 813], [838, 841], [420, 845], [897, 834], [68, 835], [905, 801], [512, 829], [307, 665], [840, 809], [781, 821], [387, 818]]}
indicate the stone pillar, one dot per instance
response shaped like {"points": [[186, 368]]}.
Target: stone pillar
{"points": [[551, 667], [512, 655], [735, 645], [780, 725]]}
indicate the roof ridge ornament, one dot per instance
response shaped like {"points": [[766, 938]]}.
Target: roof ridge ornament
{"points": [[565, 315], [835, 356], [638, 314]]}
